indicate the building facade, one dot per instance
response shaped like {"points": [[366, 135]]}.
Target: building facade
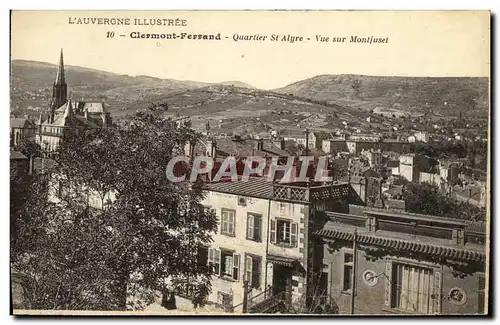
{"points": [[20, 129], [265, 238], [382, 262]]}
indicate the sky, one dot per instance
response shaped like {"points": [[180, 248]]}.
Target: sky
{"points": [[431, 43]]}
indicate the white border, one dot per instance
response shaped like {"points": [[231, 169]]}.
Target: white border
{"points": [[185, 4]]}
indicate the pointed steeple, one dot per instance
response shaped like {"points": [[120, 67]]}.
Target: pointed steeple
{"points": [[60, 77], [59, 89], [68, 111]]}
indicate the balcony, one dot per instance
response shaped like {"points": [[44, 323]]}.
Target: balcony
{"points": [[307, 192]]}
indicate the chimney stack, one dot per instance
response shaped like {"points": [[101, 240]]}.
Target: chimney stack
{"points": [[260, 144], [212, 148], [282, 144]]}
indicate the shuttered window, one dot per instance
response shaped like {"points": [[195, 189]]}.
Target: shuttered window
{"points": [[284, 232], [252, 271], [414, 289], [227, 222], [254, 223]]}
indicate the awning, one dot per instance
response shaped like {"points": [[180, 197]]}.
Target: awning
{"points": [[283, 261]]}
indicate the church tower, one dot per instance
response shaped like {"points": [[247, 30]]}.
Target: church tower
{"points": [[59, 89]]}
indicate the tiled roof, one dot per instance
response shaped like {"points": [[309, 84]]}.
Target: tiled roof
{"points": [[16, 155], [405, 245], [76, 121], [254, 187], [91, 107], [248, 148], [474, 226], [20, 123]]}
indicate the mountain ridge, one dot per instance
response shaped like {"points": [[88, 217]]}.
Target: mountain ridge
{"points": [[31, 83], [426, 94]]}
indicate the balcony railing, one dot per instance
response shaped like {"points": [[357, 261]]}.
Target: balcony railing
{"points": [[309, 193]]}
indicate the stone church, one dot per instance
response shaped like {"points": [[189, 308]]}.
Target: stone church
{"points": [[65, 114]]}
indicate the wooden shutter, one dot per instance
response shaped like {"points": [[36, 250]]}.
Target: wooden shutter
{"points": [[437, 292], [256, 228], [388, 284], [236, 266], [273, 231], [224, 223], [210, 256], [294, 233], [249, 268], [218, 269], [256, 272], [231, 222], [250, 227]]}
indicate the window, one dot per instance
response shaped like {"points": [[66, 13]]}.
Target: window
{"points": [[254, 223], [413, 288], [202, 256], [252, 271], [348, 264], [224, 263], [284, 232], [224, 299], [214, 260], [227, 226]]}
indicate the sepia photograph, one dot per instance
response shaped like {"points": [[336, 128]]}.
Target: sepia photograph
{"points": [[243, 163]]}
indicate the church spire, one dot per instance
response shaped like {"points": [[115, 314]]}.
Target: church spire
{"points": [[59, 89], [60, 78]]}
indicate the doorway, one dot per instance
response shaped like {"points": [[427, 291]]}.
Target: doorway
{"points": [[282, 279]]}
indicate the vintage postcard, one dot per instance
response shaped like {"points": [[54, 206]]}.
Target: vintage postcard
{"points": [[249, 162]]}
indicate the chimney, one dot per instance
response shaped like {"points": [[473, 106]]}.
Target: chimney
{"points": [[260, 144], [212, 148], [187, 148]]}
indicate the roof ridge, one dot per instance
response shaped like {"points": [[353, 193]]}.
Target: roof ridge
{"points": [[402, 244]]}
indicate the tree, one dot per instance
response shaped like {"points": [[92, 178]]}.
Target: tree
{"points": [[426, 199], [118, 231]]}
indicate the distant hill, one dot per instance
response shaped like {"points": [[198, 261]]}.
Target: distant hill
{"points": [[446, 96], [31, 88], [31, 84]]}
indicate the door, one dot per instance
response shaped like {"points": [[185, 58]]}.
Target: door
{"points": [[282, 279]]}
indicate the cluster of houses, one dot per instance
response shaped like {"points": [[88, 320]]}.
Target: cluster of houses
{"points": [[316, 247]]}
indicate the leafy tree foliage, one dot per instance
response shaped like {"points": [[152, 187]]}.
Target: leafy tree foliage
{"points": [[426, 199], [115, 231]]}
